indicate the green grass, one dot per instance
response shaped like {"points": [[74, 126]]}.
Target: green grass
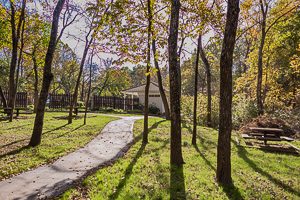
{"points": [[144, 172], [58, 139]]}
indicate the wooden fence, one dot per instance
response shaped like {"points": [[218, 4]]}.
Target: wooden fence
{"points": [[59, 101], [114, 102], [21, 99], [62, 101]]}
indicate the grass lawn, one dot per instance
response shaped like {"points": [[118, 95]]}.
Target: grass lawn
{"points": [[144, 172], [58, 139]]}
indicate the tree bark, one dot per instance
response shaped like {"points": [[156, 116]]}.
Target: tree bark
{"points": [[146, 106], [225, 124], [47, 78], [3, 98], [16, 31], [194, 137], [160, 84], [82, 89], [260, 107], [175, 86], [88, 43], [208, 82], [36, 81], [89, 90]]}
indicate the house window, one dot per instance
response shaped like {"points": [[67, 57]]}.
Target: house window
{"points": [[154, 95]]}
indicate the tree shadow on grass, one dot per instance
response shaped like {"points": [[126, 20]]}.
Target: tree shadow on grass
{"points": [[177, 185], [63, 134], [128, 173], [13, 152], [15, 127], [232, 192], [55, 129], [20, 149], [242, 153], [204, 158], [156, 124], [14, 142]]}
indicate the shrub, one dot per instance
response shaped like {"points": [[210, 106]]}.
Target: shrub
{"points": [[154, 110]]}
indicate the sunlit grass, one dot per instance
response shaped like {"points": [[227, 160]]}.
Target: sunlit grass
{"points": [[59, 138], [144, 172]]}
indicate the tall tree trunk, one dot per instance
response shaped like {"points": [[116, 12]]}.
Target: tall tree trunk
{"points": [[194, 138], [75, 94], [160, 84], [208, 83], [47, 78], [36, 81], [82, 89], [89, 90], [146, 106], [3, 98], [260, 61], [16, 31], [20, 59], [225, 124], [175, 86]]}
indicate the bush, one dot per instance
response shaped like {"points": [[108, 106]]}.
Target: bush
{"points": [[154, 110], [106, 109]]}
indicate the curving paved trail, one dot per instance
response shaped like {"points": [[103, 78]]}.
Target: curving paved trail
{"points": [[53, 179]]}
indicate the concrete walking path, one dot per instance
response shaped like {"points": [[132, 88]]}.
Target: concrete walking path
{"points": [[53, 179]]}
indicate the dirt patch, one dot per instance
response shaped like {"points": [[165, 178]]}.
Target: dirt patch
{"points": [[271, 122]]}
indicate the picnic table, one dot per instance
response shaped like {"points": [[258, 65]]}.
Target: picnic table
{"points": [[266, 134]]}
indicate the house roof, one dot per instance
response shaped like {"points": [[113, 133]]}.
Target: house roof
{"points": [[152, 89]]}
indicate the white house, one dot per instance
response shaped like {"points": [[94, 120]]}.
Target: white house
{"points": [[154, 95]]}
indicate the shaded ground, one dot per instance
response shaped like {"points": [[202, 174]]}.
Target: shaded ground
{"points": [[144, 172], [58, 139]]}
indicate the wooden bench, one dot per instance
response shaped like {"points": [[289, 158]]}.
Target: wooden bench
{"points": [[266, 134]]}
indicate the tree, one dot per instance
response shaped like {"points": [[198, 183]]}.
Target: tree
{"points": [[264, 10], [146, 106], [47, 78], [89, 38], [89, 88], [16, 32], [225, 124], [208, 80], [175, 85], [195, 93], [160, 82], [88, 42], [3, 98]]}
